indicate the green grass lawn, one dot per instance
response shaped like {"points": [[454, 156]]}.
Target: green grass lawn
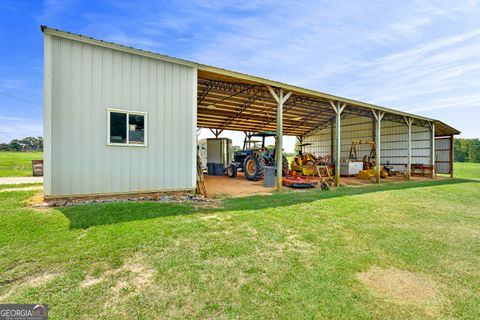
{"points": [[398, 251], [18, 164], [467, 170]]}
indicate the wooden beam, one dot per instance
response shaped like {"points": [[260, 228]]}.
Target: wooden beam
{"points": [[280, 98], [279, 140], [217, 132], [409, 122], [432, 156], [338, 111], [378, 133], [452, 155], [332, 142]]}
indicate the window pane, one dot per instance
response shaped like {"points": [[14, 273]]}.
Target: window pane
{"points": [[118, 127], [136, 128]]}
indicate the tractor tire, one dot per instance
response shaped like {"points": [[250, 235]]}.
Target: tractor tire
{"points": [[253, 168], [232, 171]]}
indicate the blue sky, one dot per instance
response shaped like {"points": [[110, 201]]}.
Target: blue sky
{"points": [[416, 56]]}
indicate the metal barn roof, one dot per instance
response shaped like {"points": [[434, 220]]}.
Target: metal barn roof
{"points": [[229, 100]]}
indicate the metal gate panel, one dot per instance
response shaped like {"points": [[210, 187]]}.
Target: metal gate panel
{"points": [[442, 155]]}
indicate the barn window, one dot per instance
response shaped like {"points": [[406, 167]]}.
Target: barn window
{"points": [[127, 128]]}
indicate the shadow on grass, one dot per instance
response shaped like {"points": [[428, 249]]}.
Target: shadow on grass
{"points": [[292, 198], [85, 216]]}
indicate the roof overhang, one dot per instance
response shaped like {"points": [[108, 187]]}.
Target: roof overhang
{"points": [[229, 100], [236, 101]]}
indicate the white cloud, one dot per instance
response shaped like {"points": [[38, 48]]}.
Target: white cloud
{"points": [[52, 9], [414, 55], [17, 128]]}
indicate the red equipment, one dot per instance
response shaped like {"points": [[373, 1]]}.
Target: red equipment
{"points": [[298, 182]]}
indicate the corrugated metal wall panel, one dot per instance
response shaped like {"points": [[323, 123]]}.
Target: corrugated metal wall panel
{"points": [[442, 168], [353, 128], [394, 141], [321, 142], [421, 145], [442, 155], [394, 144], [86, 80]]}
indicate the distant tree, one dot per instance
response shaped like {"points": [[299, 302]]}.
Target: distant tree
{"points": [[25, 144], [461, 155], [236, 148], [297, 147], [474, 151], [29, 143], [16, 145], [467, 150]]}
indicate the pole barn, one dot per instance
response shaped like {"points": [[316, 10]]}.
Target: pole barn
{"points": [[120, 120]]}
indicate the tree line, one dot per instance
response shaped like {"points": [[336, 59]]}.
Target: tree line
{"points": [[467, 150], [27, 144]]}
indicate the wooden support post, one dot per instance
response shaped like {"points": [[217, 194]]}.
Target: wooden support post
{"points": [[338, 111], [332, 142], [378, 134], [452, 155], [409, 122], [280, 98], [432, 157]]}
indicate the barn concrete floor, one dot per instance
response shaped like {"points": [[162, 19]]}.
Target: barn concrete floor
{"points": [[223, 186]]}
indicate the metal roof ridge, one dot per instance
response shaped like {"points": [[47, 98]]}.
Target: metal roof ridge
{"points": [[74, 36]]}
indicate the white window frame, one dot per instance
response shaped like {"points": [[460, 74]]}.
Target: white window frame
{"points": [[128, 113]]}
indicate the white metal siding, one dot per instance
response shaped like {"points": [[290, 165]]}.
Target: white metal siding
{"points": [[88, 79], [421, 145], [320, 142], [394, 141], [352, 128], [442, 155], [355, 128]]}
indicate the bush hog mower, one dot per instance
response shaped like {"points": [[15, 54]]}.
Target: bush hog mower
{"points": [[253, 159], [307, 164], [308, 170]]}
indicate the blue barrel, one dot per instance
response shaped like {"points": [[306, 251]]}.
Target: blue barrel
{"points": [[215, 169], [269, 177]]}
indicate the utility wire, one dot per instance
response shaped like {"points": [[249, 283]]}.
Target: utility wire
{"points": [[18, 98]]}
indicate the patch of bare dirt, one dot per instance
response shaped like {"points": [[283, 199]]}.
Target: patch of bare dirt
{"points": [[141, 274], [207, 217], [133, 273], [292, 243], [36, 201], [401, 286], [133, 276], [223, 186], [38, 280], [82, 234], [22, 189], [89, 281], [29, 282]]}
